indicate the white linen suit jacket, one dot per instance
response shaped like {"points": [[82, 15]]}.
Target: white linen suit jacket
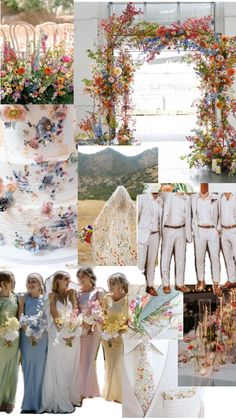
{"points": [[214, 211], [159, 408], [167, 197], [220, 215], [145, 216]]}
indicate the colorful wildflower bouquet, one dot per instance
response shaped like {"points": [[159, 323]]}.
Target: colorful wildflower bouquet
{"points": [[85, 234], [93, 315], [135, 310], [40, 77], [9, 330]]}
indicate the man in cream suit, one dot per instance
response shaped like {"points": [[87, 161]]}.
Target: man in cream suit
{"points": [[227, 209], [150, 207], [176, 232], [205, 218], [163, 378]]}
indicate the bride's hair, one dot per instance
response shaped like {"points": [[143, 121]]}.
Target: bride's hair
{"points": [[119, 279], [87, 270], [7, 277], [56, 277], [39, 278]]}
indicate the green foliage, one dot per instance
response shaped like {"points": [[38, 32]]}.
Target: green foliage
{"points": [[38, 5]]}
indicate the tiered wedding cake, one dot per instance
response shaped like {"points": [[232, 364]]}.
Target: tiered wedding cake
{"points": [[38, 179]]}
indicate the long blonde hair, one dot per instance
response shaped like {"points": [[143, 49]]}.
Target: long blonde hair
{"points": [[119, 279], [56, 278], [39, 278]]}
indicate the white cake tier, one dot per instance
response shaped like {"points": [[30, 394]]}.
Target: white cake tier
{"points": [[39, 229], [54, 180], [38, 130]]}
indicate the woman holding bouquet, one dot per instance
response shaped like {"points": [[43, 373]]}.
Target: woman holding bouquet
{"points": [[9, 342], [115, 312], [89, 298], [63, 346], [33, 342]]}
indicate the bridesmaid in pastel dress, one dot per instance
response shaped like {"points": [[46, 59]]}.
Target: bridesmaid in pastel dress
{"points": [[88, 294], [33, 356], [115, 308], [61, 365], [9, 354]]}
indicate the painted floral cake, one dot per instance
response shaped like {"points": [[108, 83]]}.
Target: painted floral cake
{"points": [[38, 178]]}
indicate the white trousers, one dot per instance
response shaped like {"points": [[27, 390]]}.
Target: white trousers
{"points": [[147, 255], [207, 238], [228, 243], [173, 243]]}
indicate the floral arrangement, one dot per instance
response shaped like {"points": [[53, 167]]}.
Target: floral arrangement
{"points": [[112, 330], [34, 326], [214, 61], [176, 187], [111, 84], [9, 330], [93, 315], [6, 195], [43, 76], [69, 326], [134, 312], [85, 235]]}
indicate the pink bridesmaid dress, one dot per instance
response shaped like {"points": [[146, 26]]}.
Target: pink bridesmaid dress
{"points": [[87, 378]]}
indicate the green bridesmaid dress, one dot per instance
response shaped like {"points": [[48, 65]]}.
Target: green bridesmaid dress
{"points": [[9, 357]]}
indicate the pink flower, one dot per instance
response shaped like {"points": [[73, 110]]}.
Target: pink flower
{"points": [[13, 113], [66, 59], [47, 209], [39, 158], [34, 143]]}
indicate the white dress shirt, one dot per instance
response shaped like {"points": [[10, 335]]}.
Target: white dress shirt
{"points": [[176, 215], [204, 211], [228, 211], [156, 214]]}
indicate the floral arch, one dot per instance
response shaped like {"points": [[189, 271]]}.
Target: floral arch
{"points": [[214, 59]]}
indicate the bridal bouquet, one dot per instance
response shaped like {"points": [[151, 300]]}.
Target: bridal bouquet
{"points": [[69, 327], [134, 312], [85, 234], [9, 330], [34, 327], [112, 330], [93, 314]]}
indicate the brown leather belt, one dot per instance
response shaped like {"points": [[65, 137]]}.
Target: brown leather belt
{"points": [[229, 227], [205, 226], [174, 226]]}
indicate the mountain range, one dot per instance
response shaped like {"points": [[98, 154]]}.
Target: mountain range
{"points": [[100, 173]]}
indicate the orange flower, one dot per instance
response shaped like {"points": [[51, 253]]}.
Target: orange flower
{"points": [[219, 105], [216, 150], [231, 72], [47, 71], [20, 71]]}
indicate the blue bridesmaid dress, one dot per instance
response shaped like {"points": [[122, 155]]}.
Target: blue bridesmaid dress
{"points": [[33, 360]]}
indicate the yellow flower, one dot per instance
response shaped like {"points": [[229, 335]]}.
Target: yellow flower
{"points": [[13, 323], [117, 71]]}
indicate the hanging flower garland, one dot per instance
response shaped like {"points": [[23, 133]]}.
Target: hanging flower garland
{"points": [[214, 62]]}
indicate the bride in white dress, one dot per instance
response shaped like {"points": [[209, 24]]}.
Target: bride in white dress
{"points": [[114, 231], [61, 364]]}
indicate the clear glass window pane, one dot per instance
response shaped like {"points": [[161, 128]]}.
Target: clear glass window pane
{"points": [[194, 10], [162, 13]]}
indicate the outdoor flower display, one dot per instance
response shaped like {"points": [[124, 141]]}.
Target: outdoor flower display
{"points": [[213, 140], [40, 77]]}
